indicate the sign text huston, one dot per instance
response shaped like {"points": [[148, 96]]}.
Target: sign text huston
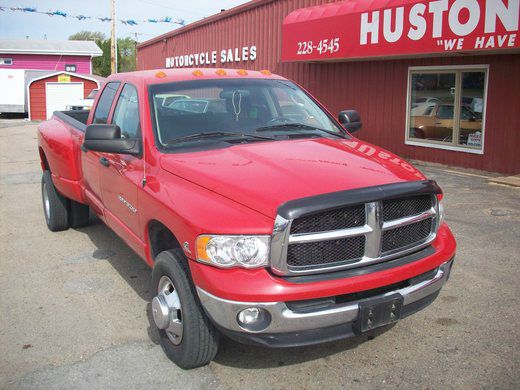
{"points": [[463, 18], [237, 54], [401, 28]]}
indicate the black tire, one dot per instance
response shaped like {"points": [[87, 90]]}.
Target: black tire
{"points": [[199, 342], [55, 206], [78, 215]]}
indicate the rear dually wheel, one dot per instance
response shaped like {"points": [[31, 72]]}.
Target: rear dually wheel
{"points": [[55, 206]]}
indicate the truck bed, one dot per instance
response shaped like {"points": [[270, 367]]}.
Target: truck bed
{"points": [[60, 140], [75, 118]]}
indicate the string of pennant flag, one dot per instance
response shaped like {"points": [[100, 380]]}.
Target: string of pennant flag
{"points": [[127, 22]]}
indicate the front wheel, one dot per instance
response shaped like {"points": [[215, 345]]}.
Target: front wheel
{"points": [[188, 337]]}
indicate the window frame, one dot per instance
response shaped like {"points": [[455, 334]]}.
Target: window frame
{"points": [[6, 58], [112, 105], [71, 65], [458, 70], [116, 102]]}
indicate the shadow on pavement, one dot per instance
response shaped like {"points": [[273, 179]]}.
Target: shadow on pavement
{"points": [[234, 354], [138, 276], [126, 262], [136, 273]]}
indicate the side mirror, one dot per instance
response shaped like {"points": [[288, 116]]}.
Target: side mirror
{"points": [[107, 139], [351, 120]]}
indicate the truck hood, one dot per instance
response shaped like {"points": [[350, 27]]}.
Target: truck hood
{"points": [[263, 175]]}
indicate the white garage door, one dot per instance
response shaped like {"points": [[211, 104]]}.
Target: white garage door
{"points": [[60, 95]]}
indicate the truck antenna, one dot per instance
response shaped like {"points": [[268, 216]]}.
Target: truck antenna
{"points": [[143, 182]]}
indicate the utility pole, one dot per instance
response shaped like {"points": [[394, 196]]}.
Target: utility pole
{"points": [[113, 46], [135, 51]]}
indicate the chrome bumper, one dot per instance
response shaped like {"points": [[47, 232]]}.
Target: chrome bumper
{"points": [[283, 320]]}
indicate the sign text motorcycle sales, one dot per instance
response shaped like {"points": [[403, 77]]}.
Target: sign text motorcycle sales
{"points": [[214, 57]]}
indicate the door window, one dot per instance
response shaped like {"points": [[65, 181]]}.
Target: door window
{"points": [[105, 102], [126, 114]]}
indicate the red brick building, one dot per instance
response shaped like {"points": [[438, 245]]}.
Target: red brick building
{"points": [[433, 80]]}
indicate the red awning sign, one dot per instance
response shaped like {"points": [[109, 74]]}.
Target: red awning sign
{"points": [[355, 29]]}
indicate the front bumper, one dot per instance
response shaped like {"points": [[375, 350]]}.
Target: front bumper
{"points": [[290, 327]]}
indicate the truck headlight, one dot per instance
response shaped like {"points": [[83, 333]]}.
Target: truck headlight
{"points": [[233, 251]]}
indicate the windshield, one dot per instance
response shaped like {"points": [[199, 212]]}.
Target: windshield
{"points": [[231, 106]]}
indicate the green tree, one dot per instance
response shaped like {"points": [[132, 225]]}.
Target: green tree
{"points": [[101, 65], [126, 54], [88, 36]]}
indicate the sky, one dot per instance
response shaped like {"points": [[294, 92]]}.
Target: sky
{"points": [[19, 25]]}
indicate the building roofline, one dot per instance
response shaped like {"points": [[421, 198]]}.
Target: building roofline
{"points": [[210, 19], [51, 52], [78, 75], [50, 47]]}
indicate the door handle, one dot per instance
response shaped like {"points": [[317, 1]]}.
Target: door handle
{"points": [[104, 161]]}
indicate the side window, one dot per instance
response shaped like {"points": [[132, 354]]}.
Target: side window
{"points": [[126, 114], [445, 112], [105, 102]]}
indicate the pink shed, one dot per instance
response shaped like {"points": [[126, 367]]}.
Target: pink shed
{"points": [[49, 62], [44, 55]]}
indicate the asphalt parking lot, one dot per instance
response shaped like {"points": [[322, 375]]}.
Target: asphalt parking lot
{"points": [[75, 312]]}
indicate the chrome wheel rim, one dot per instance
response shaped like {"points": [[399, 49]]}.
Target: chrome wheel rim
{"points": [[46, 202], [167, 310]]}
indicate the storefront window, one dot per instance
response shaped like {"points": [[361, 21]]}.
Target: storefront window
{"points": [[472, 109], [446, 108]]}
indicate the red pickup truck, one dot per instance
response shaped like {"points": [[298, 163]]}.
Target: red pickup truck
{"points": [[263, 218]]}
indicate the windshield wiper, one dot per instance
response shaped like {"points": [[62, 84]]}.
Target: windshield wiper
{"points": [[286, 126], [209, 134]]}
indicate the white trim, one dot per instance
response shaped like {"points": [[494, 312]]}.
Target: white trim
{"points": [[426, 144], [448, 67], [79, 75], [28, 103], [52, 75], [57, 83], [435, 145]]}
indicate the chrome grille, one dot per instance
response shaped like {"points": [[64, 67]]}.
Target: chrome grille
{"points": [[354, 235], [343, 218], [400, 208], [404, 236], [319, 253]]}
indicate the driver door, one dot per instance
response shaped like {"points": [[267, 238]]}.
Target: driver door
{"points": [[90, 160], [121, 175]]}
